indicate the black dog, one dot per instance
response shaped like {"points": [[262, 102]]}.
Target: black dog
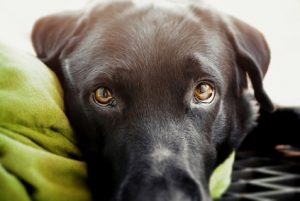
{"points": [[157, 93]]}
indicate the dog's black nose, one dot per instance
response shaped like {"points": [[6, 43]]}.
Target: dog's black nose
{"points": [[176, 185]]}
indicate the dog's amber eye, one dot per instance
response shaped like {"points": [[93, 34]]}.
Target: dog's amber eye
{"points": [[204, 93], [103, 95]]}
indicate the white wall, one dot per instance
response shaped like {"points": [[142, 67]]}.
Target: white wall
{"points": [[279, 20], [17, 18]]}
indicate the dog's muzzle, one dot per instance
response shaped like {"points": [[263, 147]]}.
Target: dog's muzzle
{"points": [[161, 178]]}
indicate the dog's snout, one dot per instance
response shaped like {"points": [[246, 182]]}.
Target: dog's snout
{"points": [[163, 171], [173, 185]]}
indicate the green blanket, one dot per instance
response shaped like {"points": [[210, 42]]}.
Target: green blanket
{"points": [[38, 156], [39, 159]]}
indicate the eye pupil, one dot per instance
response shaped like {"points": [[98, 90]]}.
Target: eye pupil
{"points": [[204, 93], [103, 95], [104, 92], [204, 88]]}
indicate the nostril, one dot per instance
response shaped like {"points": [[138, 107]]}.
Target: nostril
{"points": [[188, 185], [128, 190], [191, 188]]}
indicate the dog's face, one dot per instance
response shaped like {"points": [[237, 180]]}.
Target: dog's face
{"points": [[155, 93]]}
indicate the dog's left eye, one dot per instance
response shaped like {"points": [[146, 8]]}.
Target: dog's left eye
{"points": [[204, 93], [104, 96]]}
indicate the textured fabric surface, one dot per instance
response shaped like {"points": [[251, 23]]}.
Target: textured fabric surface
{"points": [[39, 159]]}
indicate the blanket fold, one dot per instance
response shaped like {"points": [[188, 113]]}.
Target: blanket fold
{"points": [[39, 159]]}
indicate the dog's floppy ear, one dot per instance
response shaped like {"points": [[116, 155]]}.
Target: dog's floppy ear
{"points": [[53, 35], [252, 56]]}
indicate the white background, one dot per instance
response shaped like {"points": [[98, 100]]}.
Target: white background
{"points": [[279, 20]]}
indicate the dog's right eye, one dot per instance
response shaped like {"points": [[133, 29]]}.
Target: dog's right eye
{"points": [[204, 93], [104, 96]]}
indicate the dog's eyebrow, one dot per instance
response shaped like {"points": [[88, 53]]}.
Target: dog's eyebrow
{"points": [[108, 75], [97, 77], [206, 67]]}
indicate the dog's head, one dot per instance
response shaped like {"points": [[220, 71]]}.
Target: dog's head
{"points": [[155, 93]]}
